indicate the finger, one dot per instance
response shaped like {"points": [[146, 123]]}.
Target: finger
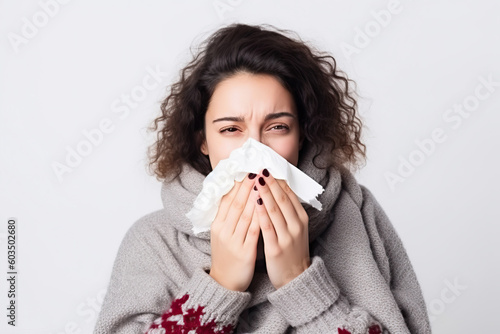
{"points": [[268, 231], [271, 207], [238, 204], [284, 202], [225, 203], [246, 218], [252, 235], [299, 208]]}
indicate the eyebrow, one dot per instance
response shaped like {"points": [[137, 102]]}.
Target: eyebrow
{"points": [[267, 118]]}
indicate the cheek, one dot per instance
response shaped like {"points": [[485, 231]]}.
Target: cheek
{"points": [[288, 150], [220, 150]]}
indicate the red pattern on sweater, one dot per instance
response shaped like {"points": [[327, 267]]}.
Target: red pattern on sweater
{"points": [[374, 329], [191, 320]]}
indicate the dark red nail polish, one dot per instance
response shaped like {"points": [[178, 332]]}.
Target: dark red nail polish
{"points": [[261, 181], [259, 201], [265, 172], [252, 176], [255, 188]]}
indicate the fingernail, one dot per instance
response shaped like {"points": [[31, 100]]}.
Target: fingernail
{"points": [[255, 188], [265, 172], [259, 201], [252, 176], [261, 181]]}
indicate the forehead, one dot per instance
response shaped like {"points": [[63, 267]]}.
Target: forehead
{"points": [[246, 92]]}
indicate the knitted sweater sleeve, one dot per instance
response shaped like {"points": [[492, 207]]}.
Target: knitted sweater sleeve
{"points": [[203, 306], [323, 309], [141, 297]]}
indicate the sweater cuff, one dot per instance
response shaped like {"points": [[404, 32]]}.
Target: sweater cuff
{"points": [[219, 304], [307, 295]]}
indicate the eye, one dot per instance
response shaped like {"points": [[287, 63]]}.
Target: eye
{"points": [[229, 129], [280, 127]]}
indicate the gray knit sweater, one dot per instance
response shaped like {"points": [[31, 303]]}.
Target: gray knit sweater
{"points": [[360, 279]]}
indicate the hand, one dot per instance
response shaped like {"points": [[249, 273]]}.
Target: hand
{"points": [[234, 235], [284, 225]]}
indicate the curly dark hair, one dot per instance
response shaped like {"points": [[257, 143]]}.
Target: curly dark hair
{"points": [[322, 93]]}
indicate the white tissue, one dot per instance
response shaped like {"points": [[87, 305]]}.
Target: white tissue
{"points": [[252, 157]]}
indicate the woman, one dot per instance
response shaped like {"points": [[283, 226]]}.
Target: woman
{"points": [[269, 264]]}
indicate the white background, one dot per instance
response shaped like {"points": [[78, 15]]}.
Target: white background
{"points": [[65, 76]]}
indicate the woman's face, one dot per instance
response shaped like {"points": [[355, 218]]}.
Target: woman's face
{"points": [[251, 106]]}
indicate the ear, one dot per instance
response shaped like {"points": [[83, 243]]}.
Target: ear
{"points": [[203, 146]]}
